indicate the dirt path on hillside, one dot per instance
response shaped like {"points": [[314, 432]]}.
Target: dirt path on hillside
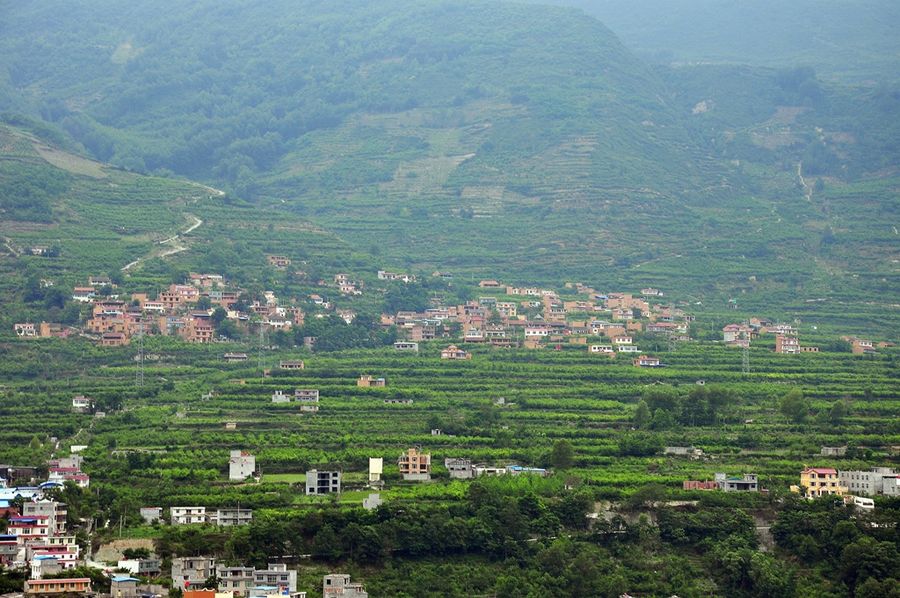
{"points": [[807, 190], [173, 241]]}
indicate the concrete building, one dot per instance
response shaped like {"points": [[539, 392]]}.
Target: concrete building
{"points": [[820, 481], [323, 482], [279, 397], [406, 346], [44, 587], [415, 465], [195, 570], [746, 483], [308, 399], [55, 512], [241, 465], [123, 586], [368, 381], [833, 451], [376, 469], [787, 344], [151, 514], [229, 517], [460, 469], [187, 515], [44, 565], [373, 501], [338, 585], [235, 579], [143, 567], [874, 482], [276, 575]]}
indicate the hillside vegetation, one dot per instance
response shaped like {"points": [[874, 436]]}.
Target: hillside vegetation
{"points": [[485, 138]]}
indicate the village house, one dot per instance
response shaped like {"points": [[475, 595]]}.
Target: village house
{"points": [[323, 482], [415, 465], [235, 357], [746, 483], [459, 469], [337, 585], [151, 514], [376, 469], [699, 485], [113, 339], [385, 275], [372, 501], [406, 346], [819, 481], [602, 349], [279, 261], [49, 330], [878, 481], [100, 281], [187, 516], [192, 571], [308, 399], [627, 349], [622, 340], [647, 361], [49, 587], [833, 451], [26, 329], [84, 294], [229, 517], [278, 576], [787, 344], [82, 404], [367, 381], [453, 352], [737, 335], [489, 284], [206, 281], [291, 364], [684, 451], [279, 397], [860, 346], [241, 465]]}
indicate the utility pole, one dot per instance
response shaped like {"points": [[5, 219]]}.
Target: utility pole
{"points": [[262, 340], [745, 359], [139, 372]]}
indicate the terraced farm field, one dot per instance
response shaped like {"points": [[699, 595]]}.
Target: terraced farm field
{"points": [[166, 430]]}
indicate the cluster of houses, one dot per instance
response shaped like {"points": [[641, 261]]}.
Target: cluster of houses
{"points": [[825, 481], [787, 337], [114, 322], [306, 398], [542, 319], [464, 469], [222, 517], [247, 582], [36, 539]]}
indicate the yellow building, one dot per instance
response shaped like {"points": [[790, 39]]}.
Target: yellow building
{"points": [[820, 481]]}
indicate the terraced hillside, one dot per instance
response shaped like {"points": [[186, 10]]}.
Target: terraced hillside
{"points": [[570, 394]]}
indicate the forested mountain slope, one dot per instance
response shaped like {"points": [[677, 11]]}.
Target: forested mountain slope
{"points": [[488, 138]]}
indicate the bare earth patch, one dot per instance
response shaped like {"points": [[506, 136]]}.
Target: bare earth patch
{"points": [[71, 162]]}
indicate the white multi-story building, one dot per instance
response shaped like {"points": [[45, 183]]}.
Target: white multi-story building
{"points": [[875, 482], [187, 515], [241, 466]]}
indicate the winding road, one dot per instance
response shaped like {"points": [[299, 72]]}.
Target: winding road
{"points": [[173, 240]]}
